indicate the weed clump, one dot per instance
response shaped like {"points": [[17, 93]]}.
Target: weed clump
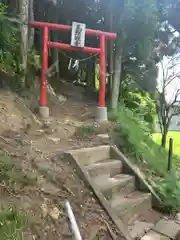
{"points": [[12, 221], [11, 172], [85, 131]]}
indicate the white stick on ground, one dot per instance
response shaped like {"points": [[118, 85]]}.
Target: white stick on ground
{"points": [[74, 226]]}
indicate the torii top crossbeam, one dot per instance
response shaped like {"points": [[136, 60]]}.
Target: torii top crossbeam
{"points": [[65, 28]]}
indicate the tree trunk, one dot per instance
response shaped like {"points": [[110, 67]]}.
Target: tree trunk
{"points": [[110, 69], [30, 75], [117, 78], [55, 38], [110, 51], [164, 137], [24, 15], [31, 30], [55, 53]]}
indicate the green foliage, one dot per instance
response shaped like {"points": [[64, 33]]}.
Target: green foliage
{"points": [[137, 30], [34, 61], [142, 16], [140, 102], [152, 159], [168, 189], [11, 172], [10, 60], [97, 76], [85, 131], [12, 224], [34, 66], [9, 42]]}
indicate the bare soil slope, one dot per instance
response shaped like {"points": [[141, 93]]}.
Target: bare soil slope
{"points": [[34, 177]]}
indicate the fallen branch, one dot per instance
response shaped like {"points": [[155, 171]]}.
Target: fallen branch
{"points": [[8, 190], [6, 141], [68, 190]]}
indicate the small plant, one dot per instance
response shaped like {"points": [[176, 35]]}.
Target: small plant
{"points": [[85, 131], [168, 188]]}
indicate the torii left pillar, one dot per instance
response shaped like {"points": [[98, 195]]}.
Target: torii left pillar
{"points": [[101, 114]]}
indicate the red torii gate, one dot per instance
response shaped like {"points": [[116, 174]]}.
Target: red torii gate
{"points": [[44, 110]]}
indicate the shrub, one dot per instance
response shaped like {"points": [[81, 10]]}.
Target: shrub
{"points": [[140, 102], [168, 188]]}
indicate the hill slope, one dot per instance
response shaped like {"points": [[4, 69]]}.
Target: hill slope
{"points": [[34, 179]]}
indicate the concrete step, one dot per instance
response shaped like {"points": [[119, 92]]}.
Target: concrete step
{"points": [[152, 235], [164, 229], [118, 192], [142, 222], [111, 186], [87, 156], [109, 166], [127, 205], [139, 229], [168, 228]]}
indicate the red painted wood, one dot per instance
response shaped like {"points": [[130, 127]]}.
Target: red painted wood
{"points": [[102, 71], [68, 47], [65, 28], [43, 96]]}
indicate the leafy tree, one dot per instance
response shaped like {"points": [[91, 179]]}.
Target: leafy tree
{"points": [[153, 37], [138, 26], [132, 20], [135, 55]]}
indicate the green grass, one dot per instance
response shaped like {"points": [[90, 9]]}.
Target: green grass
{"points": [[176, 141], [139, 143], [11, 172], [12, 221], [146, 153], [85, 131], [12, 224]]}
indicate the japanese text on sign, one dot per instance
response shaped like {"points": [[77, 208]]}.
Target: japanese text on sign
{"points": [[78, 35]]}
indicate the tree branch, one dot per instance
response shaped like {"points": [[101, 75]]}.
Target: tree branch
{"points": [[175, 101], [170, 60], [169, 80]]}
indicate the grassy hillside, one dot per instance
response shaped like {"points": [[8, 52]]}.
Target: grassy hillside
{"points": [[139, 145]]}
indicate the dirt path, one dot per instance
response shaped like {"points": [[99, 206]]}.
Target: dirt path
{"points": [[39, 181]]}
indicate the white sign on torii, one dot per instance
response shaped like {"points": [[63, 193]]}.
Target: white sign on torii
{"points": [[78, 34]]}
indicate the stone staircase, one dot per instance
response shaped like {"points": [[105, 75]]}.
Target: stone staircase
{"points": [[123, 192]]}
